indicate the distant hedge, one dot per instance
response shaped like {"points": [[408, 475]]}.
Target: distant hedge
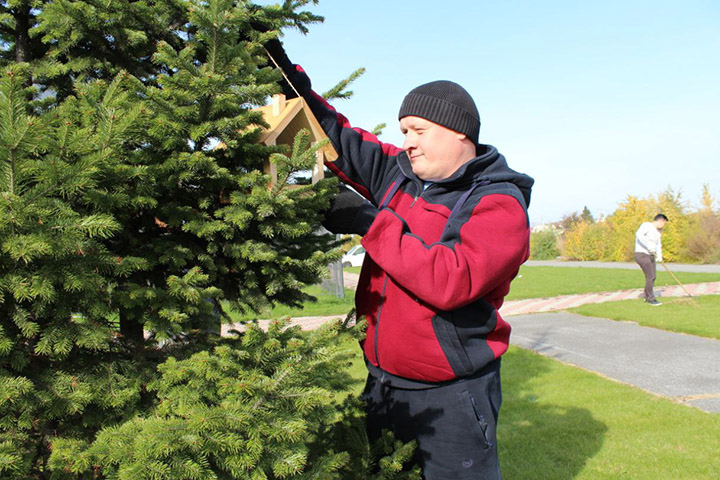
{"points": [[691, 236]]}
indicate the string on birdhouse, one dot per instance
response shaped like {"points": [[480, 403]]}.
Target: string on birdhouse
{"points": [[283, 73]]}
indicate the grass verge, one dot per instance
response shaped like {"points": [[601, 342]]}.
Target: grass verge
{"points": [[562, 422], [539, 282], [559, 422], [694, 316]]}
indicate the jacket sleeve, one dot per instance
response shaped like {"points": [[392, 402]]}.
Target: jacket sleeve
{"points": [[493, 243], [364, 162]]}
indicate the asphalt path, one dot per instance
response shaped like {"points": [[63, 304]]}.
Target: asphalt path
{"points": [[683, 367]]}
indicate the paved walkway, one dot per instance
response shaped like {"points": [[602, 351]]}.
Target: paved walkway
{"points": [[682, 367]]}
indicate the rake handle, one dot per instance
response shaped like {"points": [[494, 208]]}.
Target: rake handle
{"points": [[676, 279]]}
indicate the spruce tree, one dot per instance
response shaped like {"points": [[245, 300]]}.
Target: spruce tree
{"points": [[134, 215]]}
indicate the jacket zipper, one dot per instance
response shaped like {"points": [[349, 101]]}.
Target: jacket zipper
{"points": [[377, 320], [422, 191]]}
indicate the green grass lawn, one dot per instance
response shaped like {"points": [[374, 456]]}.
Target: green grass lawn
{"points": [[695, 316], [532, 282], [559, 422], [538, 282], [562, 422], [326, 304]]}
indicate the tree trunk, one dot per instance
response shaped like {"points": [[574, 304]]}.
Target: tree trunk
{"points": [[22, 33], [131, 330]]}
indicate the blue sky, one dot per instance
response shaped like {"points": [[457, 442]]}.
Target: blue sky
{"points": [[595, 100]]}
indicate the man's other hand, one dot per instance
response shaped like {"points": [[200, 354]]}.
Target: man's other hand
{"points": [[349, 213]]}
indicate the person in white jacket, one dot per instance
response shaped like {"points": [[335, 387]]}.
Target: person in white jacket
{"points": [[648, 250]]}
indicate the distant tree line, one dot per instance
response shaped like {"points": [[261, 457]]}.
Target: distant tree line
{"points": [[692, 235]]}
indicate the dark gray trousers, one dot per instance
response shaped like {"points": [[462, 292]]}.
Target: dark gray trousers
{"points": [[647, 263], [454, 424]]}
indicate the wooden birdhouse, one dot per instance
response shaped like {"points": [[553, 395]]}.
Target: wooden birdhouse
{"points": [[286, 118]]}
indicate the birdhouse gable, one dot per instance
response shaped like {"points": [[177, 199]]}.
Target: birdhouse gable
{"points": [[285, 118]]}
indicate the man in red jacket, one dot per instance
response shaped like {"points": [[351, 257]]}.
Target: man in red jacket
{"points": [[445, 227]]}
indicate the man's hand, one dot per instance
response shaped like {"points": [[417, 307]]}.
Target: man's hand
{"points": [[349, 213], [277, 53], [278, 58]]}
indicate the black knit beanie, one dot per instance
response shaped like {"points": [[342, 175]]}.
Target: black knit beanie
{"points": [[445, 103]]}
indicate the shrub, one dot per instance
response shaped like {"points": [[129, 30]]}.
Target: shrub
{"points": [[544, 245], [703, 243]]}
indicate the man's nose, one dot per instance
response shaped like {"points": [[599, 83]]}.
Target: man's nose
{"points": [[408, 143]]}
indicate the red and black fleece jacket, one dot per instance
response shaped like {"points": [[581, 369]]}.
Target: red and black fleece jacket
{"points": [[440, 258]]}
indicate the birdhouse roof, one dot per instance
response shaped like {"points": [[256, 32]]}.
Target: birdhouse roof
{"points": [[286, 118]]}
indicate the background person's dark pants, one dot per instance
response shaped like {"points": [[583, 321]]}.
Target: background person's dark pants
{"points": [[454, 425], [647, 263]]}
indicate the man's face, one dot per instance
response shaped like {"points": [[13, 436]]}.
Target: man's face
{"points": [[660, 224], [435, 152]]}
